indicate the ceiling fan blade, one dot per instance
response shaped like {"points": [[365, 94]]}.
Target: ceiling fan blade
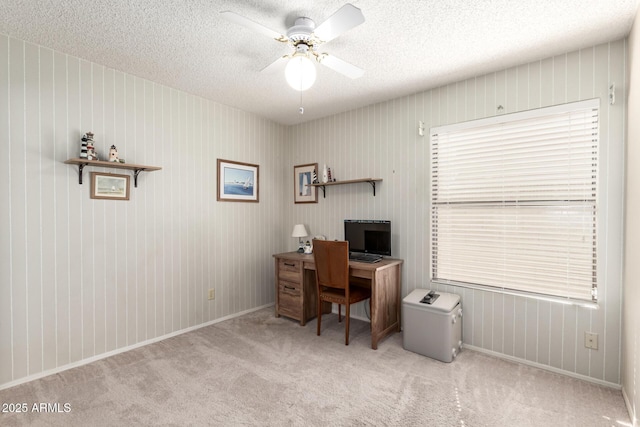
{"points": [[252, 25], [346, 18], [342, 67], [276, 65]]}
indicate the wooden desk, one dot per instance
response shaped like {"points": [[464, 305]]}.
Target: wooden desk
{"points": [[297, 295]]}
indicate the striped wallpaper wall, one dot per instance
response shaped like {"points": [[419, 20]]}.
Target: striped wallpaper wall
{"points": [[82, 277], [381, 141]]}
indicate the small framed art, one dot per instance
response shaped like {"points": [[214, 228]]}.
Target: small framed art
{"points": [[237, 181], [109, 186], [303, 176]]}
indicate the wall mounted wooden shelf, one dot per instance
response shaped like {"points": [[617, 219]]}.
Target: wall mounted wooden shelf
{"points": [[371, 181], [102, 164]]}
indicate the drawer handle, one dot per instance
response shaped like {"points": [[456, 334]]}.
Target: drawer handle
{"points": [[290, 288], [289, 265]]}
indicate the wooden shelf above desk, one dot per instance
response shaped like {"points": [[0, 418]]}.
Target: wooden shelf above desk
{"points": [[113, 165], [371, 181]]}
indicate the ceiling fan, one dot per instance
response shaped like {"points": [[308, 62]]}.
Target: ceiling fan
{"points": [[305, 38]]}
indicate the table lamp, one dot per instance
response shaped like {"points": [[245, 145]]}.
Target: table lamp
{"points": [[300, 231]]}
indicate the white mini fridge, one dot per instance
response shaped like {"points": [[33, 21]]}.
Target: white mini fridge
{"points": [[433, 330]]}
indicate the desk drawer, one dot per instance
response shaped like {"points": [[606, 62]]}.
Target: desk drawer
{"points": [[289, 270], [290, 299]]}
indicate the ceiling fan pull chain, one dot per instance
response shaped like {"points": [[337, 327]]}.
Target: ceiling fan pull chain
{"points": [[301, 109]]}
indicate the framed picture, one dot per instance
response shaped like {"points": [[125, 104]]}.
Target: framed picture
{"points": [[302, 177], [109, 186], [237, 182]]}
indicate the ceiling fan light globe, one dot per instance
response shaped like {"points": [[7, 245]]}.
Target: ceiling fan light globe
{"points": [[300, 73]]}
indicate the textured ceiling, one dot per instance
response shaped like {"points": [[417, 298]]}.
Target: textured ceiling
{"points": [[404, 46]]}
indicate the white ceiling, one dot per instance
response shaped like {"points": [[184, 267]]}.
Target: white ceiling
{"points": [[405, 46]]}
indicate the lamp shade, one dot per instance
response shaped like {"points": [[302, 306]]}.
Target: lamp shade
{"points": [[300, 72], [299, 230]]}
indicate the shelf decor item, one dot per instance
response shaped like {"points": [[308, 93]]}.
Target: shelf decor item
{"points": [[109, 186], [237, 181], [113, 154], [303, 191], [83, 145], [91, 151]]}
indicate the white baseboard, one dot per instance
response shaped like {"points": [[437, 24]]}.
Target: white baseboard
{"points": [[124, 349], [627, 402], [541, 366]]}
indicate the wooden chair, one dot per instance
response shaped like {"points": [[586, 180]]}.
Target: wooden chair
{"points": [[332, 279]]}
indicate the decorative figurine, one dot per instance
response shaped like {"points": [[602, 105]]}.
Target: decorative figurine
{"points": [[113, 154], [308, 247], [83, 147], [325, 177], [329, 175], [315, 177], [87, 140]]}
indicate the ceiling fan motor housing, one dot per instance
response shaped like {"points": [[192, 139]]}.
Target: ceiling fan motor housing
{"points": [[301, 31]]}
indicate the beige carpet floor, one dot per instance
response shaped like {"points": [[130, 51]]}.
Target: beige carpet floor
{"points": [[258, 370]]}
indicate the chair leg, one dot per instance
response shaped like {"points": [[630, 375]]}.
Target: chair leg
{"points": [[339, 313], [346, 332], [319, 314]]}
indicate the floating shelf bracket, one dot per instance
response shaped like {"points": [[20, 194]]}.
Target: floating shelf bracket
{"points": [[80, 170], [136, 172], [373, 184]]}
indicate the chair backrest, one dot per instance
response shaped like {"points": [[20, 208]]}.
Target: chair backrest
{"points": [[332, 263]]}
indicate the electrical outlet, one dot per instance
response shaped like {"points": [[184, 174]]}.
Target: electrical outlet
{"points": [[591, 340], [212, 294]]}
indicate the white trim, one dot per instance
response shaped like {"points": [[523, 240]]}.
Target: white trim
{"points": [[541, 366], [627, 403], [124, 349]]}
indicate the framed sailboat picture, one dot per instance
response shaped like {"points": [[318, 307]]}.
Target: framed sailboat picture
{"points": [[109, 186], [303, 176], [237, 182]]}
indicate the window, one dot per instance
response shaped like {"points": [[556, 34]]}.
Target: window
{"points": [[513, 202]]}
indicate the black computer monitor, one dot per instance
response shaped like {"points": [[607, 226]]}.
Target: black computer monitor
{"points": [[368, 236]]}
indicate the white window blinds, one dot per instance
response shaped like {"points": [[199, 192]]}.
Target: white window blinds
{"points": [[513, 202]]}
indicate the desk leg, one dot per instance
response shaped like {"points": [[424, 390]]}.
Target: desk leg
{"points": [[374, 314]]}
